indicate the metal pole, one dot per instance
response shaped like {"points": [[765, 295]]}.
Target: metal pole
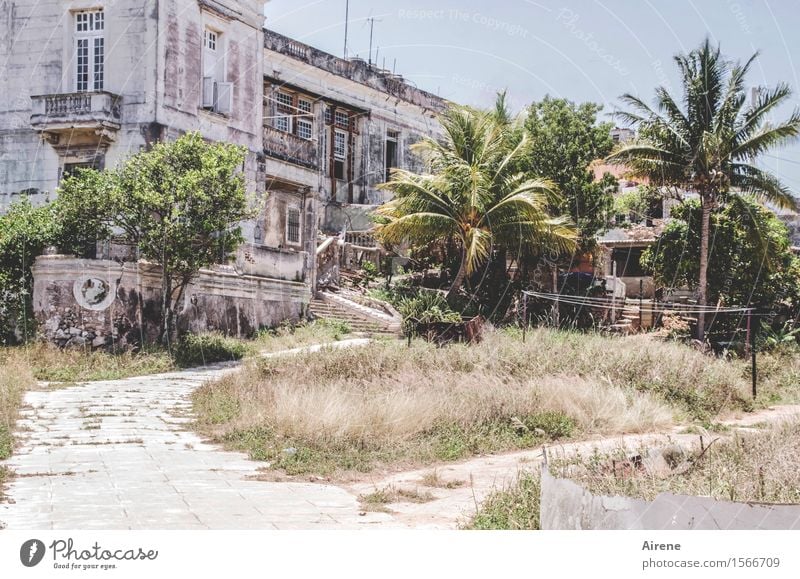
{"points": [[346, 20], [524, 315], [753, 356]]}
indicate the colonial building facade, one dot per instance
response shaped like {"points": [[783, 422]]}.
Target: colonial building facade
{"points": [[87, 83]]}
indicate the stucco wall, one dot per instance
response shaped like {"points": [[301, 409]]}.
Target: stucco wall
{"points": [[566, 505], [107, 304]]}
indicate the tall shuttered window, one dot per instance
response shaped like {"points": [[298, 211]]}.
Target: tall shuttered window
{"points": [[89, 50]]}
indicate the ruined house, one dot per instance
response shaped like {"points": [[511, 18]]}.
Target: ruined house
{"points": [[86, 83]]}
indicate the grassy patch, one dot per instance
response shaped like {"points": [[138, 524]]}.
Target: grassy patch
{"points": [[201, 349], [759, 466], [380, 498], [513, 508], [363, 408]]}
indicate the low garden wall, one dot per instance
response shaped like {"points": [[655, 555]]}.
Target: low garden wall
{"points": [[565, 505], [104, 303]]}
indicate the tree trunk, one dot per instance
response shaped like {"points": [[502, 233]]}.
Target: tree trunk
{"points": [[166, 309], [702, 281], [459, 279]]}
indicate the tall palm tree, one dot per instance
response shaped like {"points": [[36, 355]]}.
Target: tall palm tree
{"points": [[472, 194], [709, 143]]}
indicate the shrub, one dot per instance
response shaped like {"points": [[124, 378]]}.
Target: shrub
{"points": [[201, 349], [426, 307]]}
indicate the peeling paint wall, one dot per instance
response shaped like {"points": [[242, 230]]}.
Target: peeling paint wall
{"points": [[105, 304]]}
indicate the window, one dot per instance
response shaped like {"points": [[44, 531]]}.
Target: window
{"points": [[210, 39], [304, 128], [392, 138], [342, 119], [339, 145], [283, 112], [217, 95], [89, 50], [293, 225]]}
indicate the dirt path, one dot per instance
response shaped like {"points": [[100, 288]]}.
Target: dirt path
{"points": [[473, 480]]}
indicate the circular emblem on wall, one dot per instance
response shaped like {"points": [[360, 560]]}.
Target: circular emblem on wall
{"points": [[94, 293]]}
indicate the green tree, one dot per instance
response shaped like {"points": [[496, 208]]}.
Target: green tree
{"points": [[475, 195], [565, 139], [750, 261], [25, 231], [180, 203], [708, 144]]}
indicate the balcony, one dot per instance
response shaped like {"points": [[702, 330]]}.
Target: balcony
{"points": [[289, 148], [91, 117]]}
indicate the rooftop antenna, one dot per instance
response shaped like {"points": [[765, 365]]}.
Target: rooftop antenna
{"points": [[394, 66], [371, 21], [377, 51], [346, 20]]}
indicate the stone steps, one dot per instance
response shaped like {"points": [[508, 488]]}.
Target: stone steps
{"points": [[327, 310]]}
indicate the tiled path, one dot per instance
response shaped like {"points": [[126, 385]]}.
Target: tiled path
{"points": [[116, 455]]}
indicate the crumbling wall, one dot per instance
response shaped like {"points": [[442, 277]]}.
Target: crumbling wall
{"points": [[105, 304]]}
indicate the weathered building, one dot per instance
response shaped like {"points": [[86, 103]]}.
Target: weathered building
{"points": [[86, 83]]}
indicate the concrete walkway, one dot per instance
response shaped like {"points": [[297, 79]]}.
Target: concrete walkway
{"points": [[116, 455]]}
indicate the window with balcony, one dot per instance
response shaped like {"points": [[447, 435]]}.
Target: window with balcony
{"points": [[89, 50], [294, 114], [293, 225]]}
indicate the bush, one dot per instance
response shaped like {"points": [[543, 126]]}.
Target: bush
{"points": [[425, 307], [201, 349]]}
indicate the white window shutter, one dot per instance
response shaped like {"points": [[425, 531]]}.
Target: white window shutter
{"points": [[208, 92], [224, 97]]}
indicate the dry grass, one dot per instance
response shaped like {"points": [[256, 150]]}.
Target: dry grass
{"points": [[15, 378], [49, 363], [760, 466], [364, 407], [379, 498]]}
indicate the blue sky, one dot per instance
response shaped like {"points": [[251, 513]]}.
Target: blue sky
{"points": [[466, 50]]}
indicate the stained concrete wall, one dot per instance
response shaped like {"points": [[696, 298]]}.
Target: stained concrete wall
{"points": [[565, 505], [103, 304]]}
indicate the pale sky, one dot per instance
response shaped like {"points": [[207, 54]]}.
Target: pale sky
{"points": [[467, 50]]}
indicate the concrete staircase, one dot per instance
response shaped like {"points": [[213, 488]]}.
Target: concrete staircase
{"points": [[358, 317], [628, 322]]}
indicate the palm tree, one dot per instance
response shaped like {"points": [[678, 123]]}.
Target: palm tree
{"points": [[709, 143], [473, 195]]}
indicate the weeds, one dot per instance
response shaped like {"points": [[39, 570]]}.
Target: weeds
{"points": [[513, 508]]}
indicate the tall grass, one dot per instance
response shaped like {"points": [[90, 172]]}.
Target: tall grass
{"points": [[388, 402], [761, 467]]}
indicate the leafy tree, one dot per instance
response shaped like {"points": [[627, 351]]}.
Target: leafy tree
{"points": [[180, 203], [474, 195], [565, 139], [707, 142], [750, 262], [25, 231]]}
